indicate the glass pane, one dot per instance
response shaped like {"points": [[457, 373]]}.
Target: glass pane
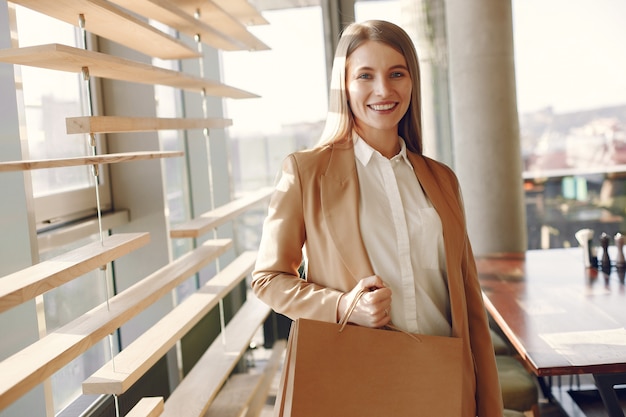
{"points": [[289, 116], [66, 303], [176, 180], [572, 105], [67, 382], [291, 80], [389, 10], [50, 97]]}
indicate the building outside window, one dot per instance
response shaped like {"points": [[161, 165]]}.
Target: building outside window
{"points": [[572, 106]]}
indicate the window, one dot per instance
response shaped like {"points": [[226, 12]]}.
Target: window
{"points": [[50, 97], [176, 172], [389, 10], [62, 194], [289, 116], [572, 106], [66, 303]]}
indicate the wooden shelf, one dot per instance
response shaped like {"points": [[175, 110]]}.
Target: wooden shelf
{"points": [[109, 21], [28, 283], [66, 58], [147, 407], [214, 16], [38, 361], [111, 158], [216, 364], [112, 124], [235, 397], [243, 11], [168, 13], [214, 218], [247, 392], [138, 357]]}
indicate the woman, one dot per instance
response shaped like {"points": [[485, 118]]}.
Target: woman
{"points": [[371, 212]]}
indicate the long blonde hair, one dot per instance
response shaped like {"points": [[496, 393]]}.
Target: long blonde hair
{"points": [[339, 121]]}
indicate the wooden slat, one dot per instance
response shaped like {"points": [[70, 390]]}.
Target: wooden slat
{"points": [[243, 11], [147, 407], [113, 124], [246, 394], [38, 361], [28, 283], [111, 158], [168, 13], [214, 218], [214, 16], [272, 366], [213, 368], [66, 58], [109, 21], [138, 357], [235, 396]]}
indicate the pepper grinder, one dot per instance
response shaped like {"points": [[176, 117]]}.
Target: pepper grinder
{"points": [[606, 261], [620, 262]]}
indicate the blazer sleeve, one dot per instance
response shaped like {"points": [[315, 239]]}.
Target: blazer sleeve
{"points": [[275, 279]]}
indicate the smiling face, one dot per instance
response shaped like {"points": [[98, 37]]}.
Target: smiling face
{"points": [[378, 86]]}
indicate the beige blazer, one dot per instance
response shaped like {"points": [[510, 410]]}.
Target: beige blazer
{"points": [[315, 206]]}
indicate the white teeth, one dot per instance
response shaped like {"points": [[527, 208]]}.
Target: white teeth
{"points": [[381, 107]]}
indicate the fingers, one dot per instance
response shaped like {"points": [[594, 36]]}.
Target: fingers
{"points": [[371, 282], [373, 307]]}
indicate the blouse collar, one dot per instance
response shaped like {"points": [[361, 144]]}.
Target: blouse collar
{"points": [[364, 152]]}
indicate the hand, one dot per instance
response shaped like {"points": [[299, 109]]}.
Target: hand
{"points": [[373, 307]]}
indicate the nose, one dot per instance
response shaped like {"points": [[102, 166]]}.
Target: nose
{"points": [[382, 86]]}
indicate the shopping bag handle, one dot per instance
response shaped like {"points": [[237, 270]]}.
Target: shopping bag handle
{"points": [[351, 308]]}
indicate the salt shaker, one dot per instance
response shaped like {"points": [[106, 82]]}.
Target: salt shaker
{"points": [[585, 239]]}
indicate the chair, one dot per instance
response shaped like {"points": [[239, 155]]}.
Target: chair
{"points": [[519, 390], [500, 346], [512, 413]]}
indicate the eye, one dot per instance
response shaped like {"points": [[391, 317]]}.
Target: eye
{"points": [[397, 74], [364, 76]]}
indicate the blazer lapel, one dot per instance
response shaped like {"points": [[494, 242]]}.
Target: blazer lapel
{"points": [[442, 202], [453, 233], [340, 207]]}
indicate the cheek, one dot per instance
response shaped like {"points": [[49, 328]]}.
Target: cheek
{"points": [[354, 90], [409, 91], [349, 92]]}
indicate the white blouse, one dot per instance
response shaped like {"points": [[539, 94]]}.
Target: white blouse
{"points": [[403, 236]]}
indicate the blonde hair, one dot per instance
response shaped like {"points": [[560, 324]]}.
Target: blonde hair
{"points": [[339, 121]]}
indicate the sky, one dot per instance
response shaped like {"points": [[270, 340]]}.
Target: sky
{"points": [[290, 78], [570, 56], [293, 73]]}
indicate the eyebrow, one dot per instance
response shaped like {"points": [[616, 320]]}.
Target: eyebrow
{"points": [[366, 68]]}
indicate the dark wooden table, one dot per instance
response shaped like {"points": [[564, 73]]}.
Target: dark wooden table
{"points": [[562, 318]]}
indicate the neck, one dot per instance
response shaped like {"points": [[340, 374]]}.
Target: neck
{"points": [[384, 142]]}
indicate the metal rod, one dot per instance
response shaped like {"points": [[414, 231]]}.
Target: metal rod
{"points": [[222, 322], [117, 405]]}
